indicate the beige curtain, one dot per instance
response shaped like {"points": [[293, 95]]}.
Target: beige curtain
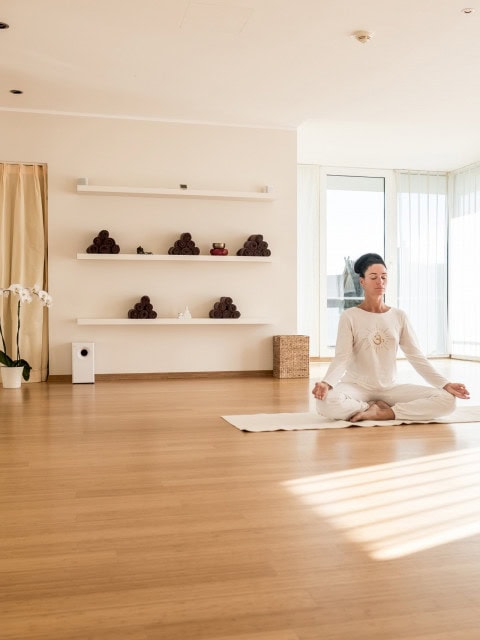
{"points": [[23, 260]]}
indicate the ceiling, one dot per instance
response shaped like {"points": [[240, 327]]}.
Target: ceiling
{"points": [[409, 98]]}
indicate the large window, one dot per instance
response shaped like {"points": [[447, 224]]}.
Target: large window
{"points": [[400, 215]]}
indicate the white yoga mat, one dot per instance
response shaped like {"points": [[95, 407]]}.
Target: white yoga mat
{"points": [[298, 421]]}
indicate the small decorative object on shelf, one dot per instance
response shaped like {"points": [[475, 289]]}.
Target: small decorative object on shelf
{"points": [[185, 314], [184, 246], [184, 186], [142, 310], [218, 249], [103, 243], [255, 246], [141, 252], [224, 308]]}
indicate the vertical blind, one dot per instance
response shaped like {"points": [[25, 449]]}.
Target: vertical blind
{"points": [[308, 252], [422, 241], [464, 248]]}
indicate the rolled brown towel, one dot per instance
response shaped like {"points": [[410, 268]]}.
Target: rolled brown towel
{"points": [[115, 248], [98, 241], [186, 237], [104, 249], [152, 315], [145, 300], [103, 234], [226, 299], [180, 244], [92, 248], [196, 251], [236, 314], [217, 313]]}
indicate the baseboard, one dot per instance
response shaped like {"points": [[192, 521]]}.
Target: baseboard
{"points": [[114, 377]]}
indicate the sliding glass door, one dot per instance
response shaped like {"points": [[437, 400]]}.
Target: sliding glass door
{"points": [[355, 224]]}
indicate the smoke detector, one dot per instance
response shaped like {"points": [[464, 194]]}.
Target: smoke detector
{"points": [[362, 36]]}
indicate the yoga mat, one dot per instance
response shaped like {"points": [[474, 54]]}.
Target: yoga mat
{"points": [[258, 422]]}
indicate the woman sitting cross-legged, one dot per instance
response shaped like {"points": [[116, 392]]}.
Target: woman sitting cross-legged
{"points": [[360, 381]]}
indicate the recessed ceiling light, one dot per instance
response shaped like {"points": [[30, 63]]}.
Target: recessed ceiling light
{"points": [[468, 10], [362, 36], [4, 25], [16, 91]]}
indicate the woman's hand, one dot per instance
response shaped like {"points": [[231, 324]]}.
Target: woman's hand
{"points": [[458, 390], [320, 390]]}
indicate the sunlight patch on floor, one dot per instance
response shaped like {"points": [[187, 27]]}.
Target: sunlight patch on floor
{"points": [[399, 508]]}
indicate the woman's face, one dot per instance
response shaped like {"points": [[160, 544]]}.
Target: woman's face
{"points": [[375, 281]]}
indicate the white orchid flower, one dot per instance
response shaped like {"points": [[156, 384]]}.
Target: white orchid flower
{"points": [[25, 295], [45, 298]]}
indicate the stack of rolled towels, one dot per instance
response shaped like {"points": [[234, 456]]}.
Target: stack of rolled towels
{"points": [[224, 308], [255, 246], [184, 246], [103, 243], [142, 310]]}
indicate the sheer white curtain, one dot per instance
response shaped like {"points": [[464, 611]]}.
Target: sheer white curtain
{"points": [[308, 269], [422, 237], [464, 299]]}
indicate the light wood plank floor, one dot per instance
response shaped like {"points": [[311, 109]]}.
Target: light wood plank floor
{"points": [[132, 511]]}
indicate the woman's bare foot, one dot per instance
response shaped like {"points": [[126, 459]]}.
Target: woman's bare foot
{"points": [[383, 405], [378, 410]]}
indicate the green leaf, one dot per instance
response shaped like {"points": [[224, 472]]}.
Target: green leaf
{"points": [[26, 368], [6, 360]]}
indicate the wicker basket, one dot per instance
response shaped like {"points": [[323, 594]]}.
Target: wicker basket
{"points": [[291, 357]]}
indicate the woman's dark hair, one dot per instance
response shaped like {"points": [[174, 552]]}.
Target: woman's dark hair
{"points": [[365, 261]]}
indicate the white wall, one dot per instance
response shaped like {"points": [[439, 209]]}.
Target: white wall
{"points": [[153, 154]]}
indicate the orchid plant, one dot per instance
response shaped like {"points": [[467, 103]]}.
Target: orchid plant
{"points": [[24, 295]]}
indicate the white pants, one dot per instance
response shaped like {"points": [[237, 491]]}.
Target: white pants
{"points": [[408, 401]]}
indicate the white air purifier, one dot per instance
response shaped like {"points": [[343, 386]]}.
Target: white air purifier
{"points": [[83, 363]]}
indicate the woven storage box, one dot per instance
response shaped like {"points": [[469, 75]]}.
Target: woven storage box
{"points": [[291, 356]]}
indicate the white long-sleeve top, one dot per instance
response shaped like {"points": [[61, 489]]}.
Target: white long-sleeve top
{"points": [[367, 346]]}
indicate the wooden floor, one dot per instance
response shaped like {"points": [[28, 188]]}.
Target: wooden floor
{"points": [[132, 511]]}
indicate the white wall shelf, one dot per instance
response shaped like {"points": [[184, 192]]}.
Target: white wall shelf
{"points": [[171, 321], [159, 192], [115, 257]]}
